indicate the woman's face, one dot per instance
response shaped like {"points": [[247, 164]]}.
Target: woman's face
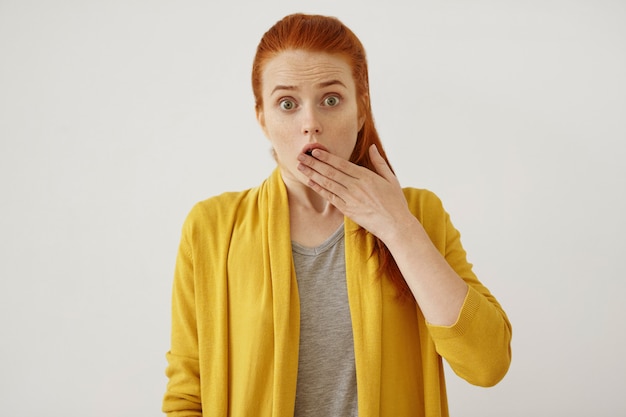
{"points": [[309, 100]]}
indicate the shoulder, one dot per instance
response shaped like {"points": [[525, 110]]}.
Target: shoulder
{"points": [[428, 208], [423, 201], [221, 203], [218, 211]]}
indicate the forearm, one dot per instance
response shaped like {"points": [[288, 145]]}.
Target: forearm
{"points": [[467, 324], [437, 288], [478, 346]]}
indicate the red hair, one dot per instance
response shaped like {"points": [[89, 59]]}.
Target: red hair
{"points": [[316, 33]]}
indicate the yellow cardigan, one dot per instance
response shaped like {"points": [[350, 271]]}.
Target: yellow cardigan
{"points": [[235, 316]]}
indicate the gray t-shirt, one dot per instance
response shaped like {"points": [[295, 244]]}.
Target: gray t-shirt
{"points": [[326, 369]]}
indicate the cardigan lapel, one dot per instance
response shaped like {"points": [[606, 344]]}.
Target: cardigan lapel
{"points": [[365, 298], [274, 207]]}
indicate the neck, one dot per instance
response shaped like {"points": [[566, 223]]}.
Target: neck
{"points": [[304, 197], [312, 218]]}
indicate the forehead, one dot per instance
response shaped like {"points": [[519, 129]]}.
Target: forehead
{"points": [[300, 68]]}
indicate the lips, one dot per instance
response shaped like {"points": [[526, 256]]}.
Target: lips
{"points": [[308, 149]]}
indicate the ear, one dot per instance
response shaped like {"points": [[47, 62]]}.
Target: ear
{"points": [[361, 122], [260, 118], [363, 110]]}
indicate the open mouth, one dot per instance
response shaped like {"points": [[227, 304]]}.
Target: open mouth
{"points": [[308, 149]]}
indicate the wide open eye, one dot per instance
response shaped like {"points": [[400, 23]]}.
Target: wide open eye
{"points": [[287, 104], [331, 101]]}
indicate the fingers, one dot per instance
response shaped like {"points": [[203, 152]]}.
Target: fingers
{"points": [[322, 174], [380, 165], [331, 197], [343, 183], [329, 170], [328, 162]]}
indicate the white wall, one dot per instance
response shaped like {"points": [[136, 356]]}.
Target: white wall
{"points": [[116, 116]]}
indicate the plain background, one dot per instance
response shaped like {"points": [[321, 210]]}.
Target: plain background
{"points": [[117, 116]]}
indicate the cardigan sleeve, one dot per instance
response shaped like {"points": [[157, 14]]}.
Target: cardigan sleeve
{"points": [[478, 346], [182, 396]]}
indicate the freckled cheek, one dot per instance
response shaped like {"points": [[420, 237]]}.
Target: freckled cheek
{"points": [[279, 131], [285, 128], [285, 143], [346, 139]]}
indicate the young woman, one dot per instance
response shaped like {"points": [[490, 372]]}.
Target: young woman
{"points": [[329, 290]]}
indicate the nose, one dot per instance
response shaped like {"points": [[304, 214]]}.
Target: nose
{"points": [[312, 130], [311, 124]]}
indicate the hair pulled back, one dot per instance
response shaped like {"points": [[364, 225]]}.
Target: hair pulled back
{"points": [[315, 33]]}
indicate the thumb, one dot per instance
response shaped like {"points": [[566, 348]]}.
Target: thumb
{"points": [[381, 166]]}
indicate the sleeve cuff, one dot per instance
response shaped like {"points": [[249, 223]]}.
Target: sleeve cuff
{"points": [[468, 311]]}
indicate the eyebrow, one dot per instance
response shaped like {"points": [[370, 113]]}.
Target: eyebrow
{"points": [[321, 85]]}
